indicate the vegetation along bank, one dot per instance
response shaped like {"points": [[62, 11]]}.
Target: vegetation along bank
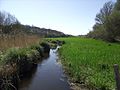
{"points": [[16, 62], [90, 62]]}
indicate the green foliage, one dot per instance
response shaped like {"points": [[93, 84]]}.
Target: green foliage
{"points": [[17, 61], [112, 25], [90, 61], [107, 25], [37, 47], [117, 5], [104, 13], [10, 56], [46, 47], [17, 55]]}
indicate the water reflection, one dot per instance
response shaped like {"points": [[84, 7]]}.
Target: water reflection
{"points": [[47, 76], [27, 79]]}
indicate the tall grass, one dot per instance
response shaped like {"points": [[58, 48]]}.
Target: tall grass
{"points": [[90, 61], [18, 40], [21, 52]]}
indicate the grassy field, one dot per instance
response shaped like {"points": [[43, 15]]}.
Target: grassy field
{"points": [[90, 61]]}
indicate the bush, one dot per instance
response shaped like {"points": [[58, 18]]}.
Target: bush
{"points": [[18, 61], [24, 58], [38, 48], [11, 56], [33, 56], [46, 47]]}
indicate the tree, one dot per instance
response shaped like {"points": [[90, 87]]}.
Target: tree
{"points": [[106, 27], [104, 13], [7, 19], [117, 5], [8, 22], [112, 24], [2, 17]]}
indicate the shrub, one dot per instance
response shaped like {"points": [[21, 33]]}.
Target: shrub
{"points": [[46, 47]]}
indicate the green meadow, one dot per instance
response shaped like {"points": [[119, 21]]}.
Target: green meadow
{"points": [[90, 62]]}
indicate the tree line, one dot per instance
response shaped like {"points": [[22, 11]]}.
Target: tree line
{"points": [[107, 26], [9, 24]]}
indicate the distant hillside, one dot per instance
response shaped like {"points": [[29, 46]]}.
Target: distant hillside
{"points": [[42, 31], [10, 25], [26, 29]]}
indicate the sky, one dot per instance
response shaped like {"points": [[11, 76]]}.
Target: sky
{"points": [[75, 17]]}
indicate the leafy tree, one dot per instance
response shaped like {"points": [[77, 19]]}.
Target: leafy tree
{"points": [[107, 25], [117, 5], [112, 24], [104, 13]]}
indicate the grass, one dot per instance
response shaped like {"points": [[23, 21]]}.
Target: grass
{"points": [[15, 62], [18, 55], [90, 61], [19, 40]]}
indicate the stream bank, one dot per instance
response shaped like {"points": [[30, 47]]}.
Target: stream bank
{"points": [[16, 62], [48, 75]]}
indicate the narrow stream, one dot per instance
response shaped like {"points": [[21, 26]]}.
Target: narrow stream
{"points": [[48, 75]]}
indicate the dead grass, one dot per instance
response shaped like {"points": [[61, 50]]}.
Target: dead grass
{"points": [[20, 40]]}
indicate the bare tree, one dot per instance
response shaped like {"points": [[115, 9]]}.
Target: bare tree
{"points": [[7, 19]]}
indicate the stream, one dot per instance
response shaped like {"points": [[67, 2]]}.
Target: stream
{"points": [[48, 75]]}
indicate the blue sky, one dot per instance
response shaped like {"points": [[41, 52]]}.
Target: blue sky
{"points": [[74, 17]]}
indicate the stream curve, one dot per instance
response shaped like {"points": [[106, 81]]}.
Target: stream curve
{"points": [[48, 75]]}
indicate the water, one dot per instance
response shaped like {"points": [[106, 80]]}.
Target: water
{"points": [[48, 75]]}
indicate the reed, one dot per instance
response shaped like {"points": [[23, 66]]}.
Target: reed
{"points": [[19, 40]]}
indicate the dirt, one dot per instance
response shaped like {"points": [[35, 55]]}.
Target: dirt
{"points": [[75, 86]]}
